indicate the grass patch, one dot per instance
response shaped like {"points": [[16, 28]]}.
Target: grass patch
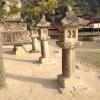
{"points": [[93, 59], [91, 45], [89, 33]]}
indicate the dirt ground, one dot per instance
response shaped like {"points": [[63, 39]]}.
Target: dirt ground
{"points": [[27, 79]]}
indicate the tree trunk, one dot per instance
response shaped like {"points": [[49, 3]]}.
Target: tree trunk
{"points": [[2, 70]]}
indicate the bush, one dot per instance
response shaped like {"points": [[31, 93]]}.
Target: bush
{"points": [[2, 12], [13, 10]]}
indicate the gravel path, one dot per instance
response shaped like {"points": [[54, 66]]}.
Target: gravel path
{"points": [[27, 79]]}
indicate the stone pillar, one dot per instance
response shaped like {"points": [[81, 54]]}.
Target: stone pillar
{"points": [[68, 62], [35, 44], [44, 49], [45, 54], [68, 45]]}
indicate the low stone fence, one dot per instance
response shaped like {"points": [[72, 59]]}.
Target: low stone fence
{"points": [[14, 33], [89, 38], [10, 38]]}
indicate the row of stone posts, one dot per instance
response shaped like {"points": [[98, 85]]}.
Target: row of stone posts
{"points": [[68, 42], [43, 26]]}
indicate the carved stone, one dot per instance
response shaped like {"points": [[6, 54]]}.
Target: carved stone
{"points": [[15, 33], [43, 28], [69, 42]]}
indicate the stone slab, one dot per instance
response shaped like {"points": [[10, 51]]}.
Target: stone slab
{"points": [[70, 84], [19, 50]]}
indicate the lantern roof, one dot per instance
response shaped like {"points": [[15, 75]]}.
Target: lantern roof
{"points": [[33, 24], [43, 22], [71, 20]]}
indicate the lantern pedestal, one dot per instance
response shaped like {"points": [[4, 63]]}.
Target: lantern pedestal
{"points": [[19, 50], [35, 44], [70, 84], [45, 53], [68, 58], [67, 80]]}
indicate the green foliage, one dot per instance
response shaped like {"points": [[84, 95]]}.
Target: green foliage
{"points": [[69, 2], [52, 4], [43, 6], [2, 13], [34, 11], [93, 59], [82, 8], [86, 7], [49, 7], [13, 10], [98, 11]]}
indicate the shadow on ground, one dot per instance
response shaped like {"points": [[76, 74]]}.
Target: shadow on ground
{"points": [[21, 60], [47, 83], [9, 52]]}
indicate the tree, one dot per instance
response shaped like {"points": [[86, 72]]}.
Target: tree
{"points": [[2, 13], [69, 2], [98, 12], [2, 70], [81, 8], [13, 10], [40, 6]]}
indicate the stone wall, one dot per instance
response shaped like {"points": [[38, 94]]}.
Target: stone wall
{"points": [[14, 32], [15, 37]]}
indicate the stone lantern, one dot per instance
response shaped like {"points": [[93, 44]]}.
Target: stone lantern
{"points": [[34, 36], [69, 42], [43, 28]]}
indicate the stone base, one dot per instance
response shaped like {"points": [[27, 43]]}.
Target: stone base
{"points": [[46, 60], [70, 84], [19, 50]]}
